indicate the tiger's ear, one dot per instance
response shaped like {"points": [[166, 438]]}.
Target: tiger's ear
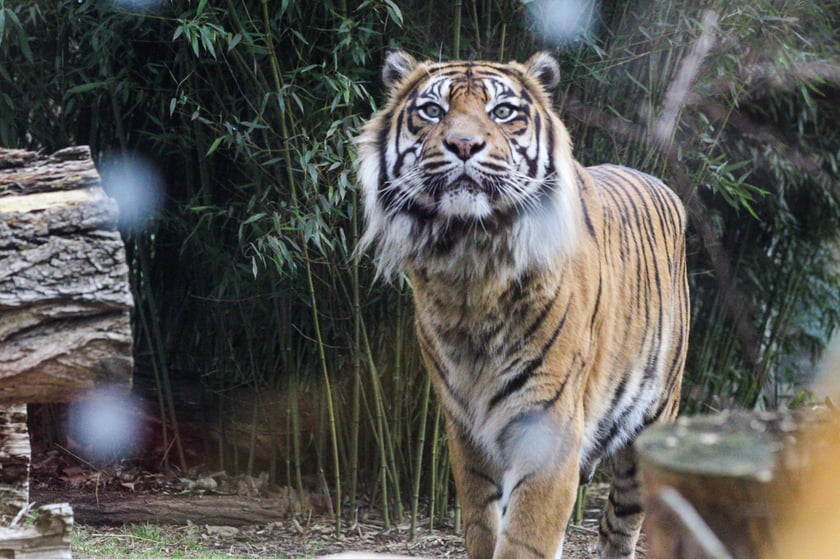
{"points": [[544, 68], [398, 64]]}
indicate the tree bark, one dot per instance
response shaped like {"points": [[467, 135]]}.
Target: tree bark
{"points": [[64, 292]]}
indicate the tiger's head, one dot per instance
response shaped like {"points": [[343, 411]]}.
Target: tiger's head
{"points": [[467, 171]]}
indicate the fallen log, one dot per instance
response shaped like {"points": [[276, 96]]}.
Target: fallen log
{"points": [[111, 508], [64, 292]]}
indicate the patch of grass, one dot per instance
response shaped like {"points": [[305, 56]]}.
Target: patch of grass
{"points": [[143, 541]]}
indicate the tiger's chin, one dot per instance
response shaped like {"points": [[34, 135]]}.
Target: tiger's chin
{"points": [[465, 203], [462, 199]]}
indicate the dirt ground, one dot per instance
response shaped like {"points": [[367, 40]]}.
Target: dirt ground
{"points": [[310, 537], [289, 539], [244, 516]]}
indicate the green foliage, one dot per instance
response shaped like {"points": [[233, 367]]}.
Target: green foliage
{"points": [[247, 280]]}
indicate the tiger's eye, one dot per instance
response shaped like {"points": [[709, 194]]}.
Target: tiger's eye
{"points": [[502, 112], [431, 111]]}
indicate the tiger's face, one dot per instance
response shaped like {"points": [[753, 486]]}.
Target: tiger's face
{"points": [[466, 150], [464, 162]]}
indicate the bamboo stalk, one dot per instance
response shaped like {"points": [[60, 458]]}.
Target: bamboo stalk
{"points": [[418, 456], [151, 324], [220, 425], [381, 431], [445, 475], [397, 416], [278, 83], [289, 449], [476, 26], [577, 517], [489, 13], [501, 56], [357, 362], [397, 378], [294, 398], [144, 323], [433, 489], [457, 525], [252, 446], [456, 45], [794, 285]]}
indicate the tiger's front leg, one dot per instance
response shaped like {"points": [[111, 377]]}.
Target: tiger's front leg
{"points": [[478, 493], [536, 506], [516, 505]]}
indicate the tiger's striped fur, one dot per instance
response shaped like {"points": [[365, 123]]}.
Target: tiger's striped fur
{"points": [[551, 299]]}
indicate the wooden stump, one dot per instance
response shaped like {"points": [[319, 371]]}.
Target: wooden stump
{"points": [[718, 486], [48, 537], [64, 292], [14, 461], [64, 316]]}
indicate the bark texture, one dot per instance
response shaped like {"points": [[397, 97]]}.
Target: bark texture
{"points": [[64, 292]]}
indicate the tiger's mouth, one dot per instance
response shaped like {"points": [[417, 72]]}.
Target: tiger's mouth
{"points": [[468, 184], [460, 198]]}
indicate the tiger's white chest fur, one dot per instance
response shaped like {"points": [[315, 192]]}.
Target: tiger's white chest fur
{"points": [[489, 341]]}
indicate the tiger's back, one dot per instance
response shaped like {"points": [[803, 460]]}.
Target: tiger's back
{"points": [[551, 299], [641, 248]]}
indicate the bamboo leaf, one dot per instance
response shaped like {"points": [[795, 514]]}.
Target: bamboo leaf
{"points": [[234, 40], [215, 145], [395, 12], [84, 88]]}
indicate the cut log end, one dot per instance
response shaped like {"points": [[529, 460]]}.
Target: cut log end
{"points": [[48, 537], [720, 486], [15, 457]]}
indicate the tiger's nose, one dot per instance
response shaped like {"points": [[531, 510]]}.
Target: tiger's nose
{"points": [[464, 148]]}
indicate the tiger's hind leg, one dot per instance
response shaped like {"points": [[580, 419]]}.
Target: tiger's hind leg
{"points": [[622, 518]]}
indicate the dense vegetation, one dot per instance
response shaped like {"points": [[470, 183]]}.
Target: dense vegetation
{"points": [[245, 283]]}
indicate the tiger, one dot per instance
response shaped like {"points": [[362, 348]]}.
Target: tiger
{"points": [[551, 299]]}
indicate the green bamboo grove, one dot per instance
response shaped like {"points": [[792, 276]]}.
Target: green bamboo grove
{"points": [[255, 318]]}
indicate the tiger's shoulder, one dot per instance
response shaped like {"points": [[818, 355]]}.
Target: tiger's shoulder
{"points": [[639, 200]]}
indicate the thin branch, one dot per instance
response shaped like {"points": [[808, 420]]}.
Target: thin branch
{"points": [[675, 97]]}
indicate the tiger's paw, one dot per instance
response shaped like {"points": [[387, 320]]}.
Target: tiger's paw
{"points": [[610, 551]]}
